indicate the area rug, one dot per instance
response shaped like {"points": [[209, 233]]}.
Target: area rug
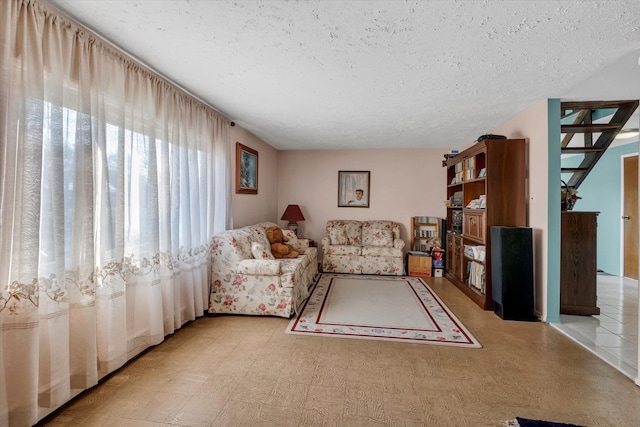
{"points": [[525, 422], [398, 308]]}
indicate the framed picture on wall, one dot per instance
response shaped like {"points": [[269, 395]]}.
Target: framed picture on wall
{"points": [[353, 189], [246, 170]]}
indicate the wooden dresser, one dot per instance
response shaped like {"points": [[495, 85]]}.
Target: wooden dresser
{"points": [[578, 263]]}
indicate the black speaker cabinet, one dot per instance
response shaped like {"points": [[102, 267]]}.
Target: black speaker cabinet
{"points": [[512, 273]]}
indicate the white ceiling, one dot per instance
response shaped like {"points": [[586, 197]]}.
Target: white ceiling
{"points": [[377, 74]]}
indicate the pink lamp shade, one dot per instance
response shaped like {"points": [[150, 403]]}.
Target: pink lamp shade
{"points": [[293, 214]]}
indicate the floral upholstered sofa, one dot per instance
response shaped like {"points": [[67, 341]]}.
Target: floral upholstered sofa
{"points": [[363, 247], [246, 279]]}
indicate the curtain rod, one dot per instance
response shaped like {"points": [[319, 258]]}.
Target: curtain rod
{"points": [[127, 55]]}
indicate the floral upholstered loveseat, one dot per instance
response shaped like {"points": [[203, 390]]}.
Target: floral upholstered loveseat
{"points": [[245, 279], [363, 247]]}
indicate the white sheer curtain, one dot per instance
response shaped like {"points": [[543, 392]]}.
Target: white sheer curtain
{"points": [[112, 183]]}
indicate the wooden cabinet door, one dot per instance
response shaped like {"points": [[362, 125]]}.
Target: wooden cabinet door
{"points": [[473, 225], [578, 254], [454, 255]]}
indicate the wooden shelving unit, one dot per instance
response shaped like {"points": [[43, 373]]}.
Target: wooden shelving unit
{"points": [[493, 170], [425, 233]]}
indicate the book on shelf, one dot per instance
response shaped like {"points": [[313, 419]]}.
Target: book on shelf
{"points": [[479, 203], [457, 198], [470, 174], [476, 276], [470, 163], [426, 219], [475, 252], [425, 233]]}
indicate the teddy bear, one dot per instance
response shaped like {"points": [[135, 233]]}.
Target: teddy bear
{"points": [[279, 247]]}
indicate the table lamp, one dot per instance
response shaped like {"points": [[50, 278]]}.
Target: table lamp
{"points": [[293, 214]]}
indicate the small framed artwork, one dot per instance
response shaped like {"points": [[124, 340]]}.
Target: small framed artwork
{"points": [[246, 170], [353, 189], [482, 173]]}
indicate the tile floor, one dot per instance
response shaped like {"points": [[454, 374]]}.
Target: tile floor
{"points": [[612, 335]]}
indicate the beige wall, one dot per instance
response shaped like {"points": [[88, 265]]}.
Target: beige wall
{"points": [[533, 126], [249, 209], [404, 183]]}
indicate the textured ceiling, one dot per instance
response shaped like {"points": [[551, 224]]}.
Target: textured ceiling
{"points": [[373, 74]]}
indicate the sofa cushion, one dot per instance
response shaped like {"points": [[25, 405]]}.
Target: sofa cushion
{"points": [[372, 236], [259, 251], [380, 238], [230, 247], [258, 234], [292, 240], [338, 236], [354, 232], [352, 228]]}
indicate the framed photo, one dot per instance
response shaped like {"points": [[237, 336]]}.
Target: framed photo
{"points": [[246, 170], [353, 189], [482, 173]]}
